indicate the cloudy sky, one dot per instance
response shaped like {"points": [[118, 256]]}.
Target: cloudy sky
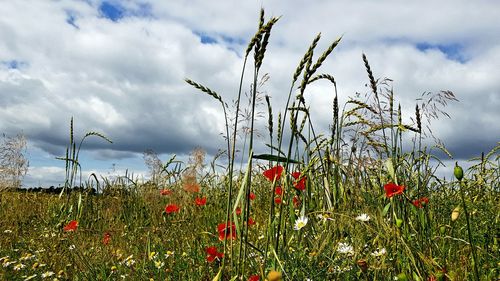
{"points": [[118, 67]]}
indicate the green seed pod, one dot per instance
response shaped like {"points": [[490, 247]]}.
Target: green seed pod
{"points": [[399, 222], [458, 171]]}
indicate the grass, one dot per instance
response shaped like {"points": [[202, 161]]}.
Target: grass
{"points": [[352, 203]]}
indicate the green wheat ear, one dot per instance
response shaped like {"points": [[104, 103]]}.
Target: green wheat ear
{"points": [[204, 89]]}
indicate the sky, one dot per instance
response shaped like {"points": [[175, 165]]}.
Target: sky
{"points": [[118, 68]]}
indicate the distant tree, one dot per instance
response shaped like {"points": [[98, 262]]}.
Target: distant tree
{"points": [[154, 165], [13, 162]]}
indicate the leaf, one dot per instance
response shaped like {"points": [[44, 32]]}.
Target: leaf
{"points": [[386, 209], [219, 274], [390, 169], [275, 158]]}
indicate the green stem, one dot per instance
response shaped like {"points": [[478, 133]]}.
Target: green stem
{"points": [[473, 249]]}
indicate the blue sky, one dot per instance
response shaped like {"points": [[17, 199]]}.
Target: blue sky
{"points": [[118, 67]]}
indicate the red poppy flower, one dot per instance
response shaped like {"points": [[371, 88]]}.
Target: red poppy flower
{"points": [[251, 196], [251, 221], [238, 211], [71, 226], [212, 254], [277, 200], [300, 182], [106, 238], [419, 203], [172, 208], [274, 173], [392, 189], [165, 192], [254, 278], [226, 231], [278, 190], [200, 201], [296, 202]]}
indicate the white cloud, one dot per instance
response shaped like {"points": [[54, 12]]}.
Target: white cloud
{"points": [[124, 78]]}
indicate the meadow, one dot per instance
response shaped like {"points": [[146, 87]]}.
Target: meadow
{"points": [[356, 202]]}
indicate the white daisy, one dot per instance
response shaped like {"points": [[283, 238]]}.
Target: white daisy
{"points": [[379, 253], [345, 248], [300, 223], [363, 217]]}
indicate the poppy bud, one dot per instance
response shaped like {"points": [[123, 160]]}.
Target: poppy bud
{"points": [[442, 229], [399, 222], [458, 171], [455, 213], [363, 265]]}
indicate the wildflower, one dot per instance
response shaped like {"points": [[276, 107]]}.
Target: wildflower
{"points": [[71, 226], [296, 201], [392, 189], [300, 223], [19, 266], [251, 196], [363, 217], [345, 248], [419, 203], [169, 254], [153, 255], [273, 173], [7, 231], [300, 183], [238, 211], [7, 263], [255, 277], [379, 253], [106, 238], [277, 200], [27, 256], [200, 201], [213, 254], [47, 274], [159, 264], [226, 231], [165, 192], [251, 221], [172, 208], [278, 190], [114, 268], [129, 261], [72, 247]]}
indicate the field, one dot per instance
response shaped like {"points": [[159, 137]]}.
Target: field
{"points": [[358, 202]]}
